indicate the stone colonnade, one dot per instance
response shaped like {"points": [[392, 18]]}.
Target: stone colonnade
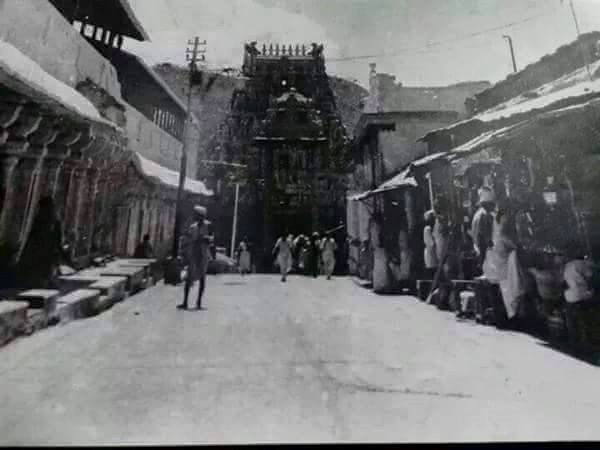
{"points": [[104, 204]]}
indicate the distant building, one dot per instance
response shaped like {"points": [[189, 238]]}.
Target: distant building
{"points": [[395, 117], [89, 125]]}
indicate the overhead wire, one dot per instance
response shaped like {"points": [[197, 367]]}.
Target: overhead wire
{"points": [[426, 48]]}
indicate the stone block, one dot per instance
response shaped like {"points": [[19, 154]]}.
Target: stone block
{"points": [[134, 275], [72, 282], [36, 320], [44, 299], [77, 304], [13, 319], [114, 288]]}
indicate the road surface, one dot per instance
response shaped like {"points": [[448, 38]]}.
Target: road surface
{"points": [[305, 361]]}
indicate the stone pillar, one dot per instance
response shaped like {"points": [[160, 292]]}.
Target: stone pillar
{"points": [[74, 197], [40, 141], [100, 220], [16, 144], [87, 211], [7, 167], [23, 205]]}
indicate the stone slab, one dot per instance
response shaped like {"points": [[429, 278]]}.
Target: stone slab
{"points": [[154, 268], [147, 270], [13, 319], [135, 276], [71, 282], [77, 304], [115, 288], [40, 298]]}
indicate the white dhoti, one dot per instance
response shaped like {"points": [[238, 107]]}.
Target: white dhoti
{"points": [[329, 263], [284, 261]]}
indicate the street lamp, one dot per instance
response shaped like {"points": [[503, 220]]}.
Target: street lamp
{"points": [[236, 201], [512, 51]]}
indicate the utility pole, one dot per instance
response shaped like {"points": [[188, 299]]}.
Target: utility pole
{"points": [[512, 51], [236, 201], [582, 48], [235, 214], [193, 54]]}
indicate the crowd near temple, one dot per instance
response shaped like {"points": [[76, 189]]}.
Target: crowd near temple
{"points": [[478, 198]]}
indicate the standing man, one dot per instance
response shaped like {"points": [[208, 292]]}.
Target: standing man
{"points": [[283, 249], [483, 225], [314, 255], [244, 260], [430, 252], [196, 253], [328, 248]]}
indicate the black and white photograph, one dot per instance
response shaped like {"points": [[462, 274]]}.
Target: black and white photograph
{"points": [[299, 222]]}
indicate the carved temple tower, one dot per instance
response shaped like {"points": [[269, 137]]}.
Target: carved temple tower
{"points": [[285, 127]]}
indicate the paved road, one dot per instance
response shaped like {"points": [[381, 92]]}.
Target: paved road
{"points": [[305, 361]]}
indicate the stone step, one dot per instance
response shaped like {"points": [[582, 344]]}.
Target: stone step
{"points": [[134, 275], [44, 299], [36, 320], [104, 303], [144, 266], [112, 287], [153, 264], [13, 319], [72, 282], [77, 304]]}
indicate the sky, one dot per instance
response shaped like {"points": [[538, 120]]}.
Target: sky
{"points": [[423, 42]]}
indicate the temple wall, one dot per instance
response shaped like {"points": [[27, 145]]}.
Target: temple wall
{"points": [[38, 30], [151, 141]]}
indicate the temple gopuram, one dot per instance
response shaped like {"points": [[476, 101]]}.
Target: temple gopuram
{"points": [[285, 128]]}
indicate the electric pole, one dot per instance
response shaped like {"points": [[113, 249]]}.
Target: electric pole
{"points": [[236, 199], [194, 53], [581, 46], [512, 51]]}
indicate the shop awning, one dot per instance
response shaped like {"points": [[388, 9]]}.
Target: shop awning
{"points": [[402, 180], [21, 74], [429, 159], [168, 177], [360, 197]]}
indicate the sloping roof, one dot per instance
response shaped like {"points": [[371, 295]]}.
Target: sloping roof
{"points": [[572, 88], [20, 73], [403, 179], [168, 177]]}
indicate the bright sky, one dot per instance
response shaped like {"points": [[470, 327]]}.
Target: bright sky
{"points": [[431, 42]]}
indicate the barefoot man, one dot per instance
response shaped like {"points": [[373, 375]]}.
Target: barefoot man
{"points": [[196, 254]]}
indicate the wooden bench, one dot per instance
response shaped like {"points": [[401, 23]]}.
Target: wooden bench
{"points": [[13, 319], [77, 304]]}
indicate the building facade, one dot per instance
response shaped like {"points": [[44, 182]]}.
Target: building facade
{"points": [[88, 125]]}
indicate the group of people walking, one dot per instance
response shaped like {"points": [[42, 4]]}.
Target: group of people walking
{"points": [[307, 255]]}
